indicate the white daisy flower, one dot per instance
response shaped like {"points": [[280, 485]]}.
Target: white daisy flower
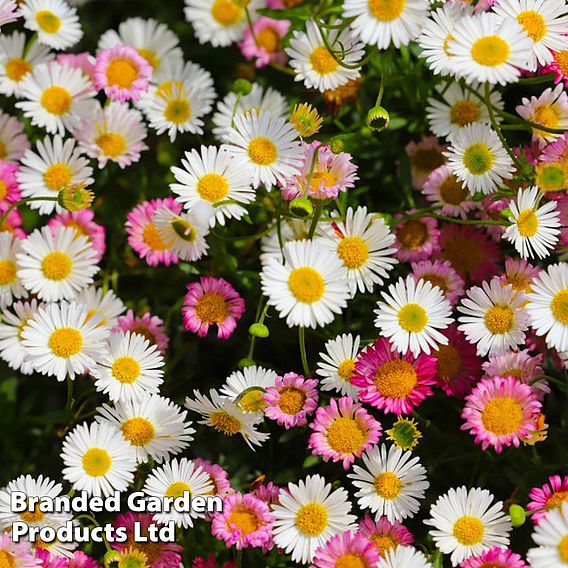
{"points": [[403, 557], [447, 193], [269, 144], [391, 484], [56, 97], [98, 459], [290, 230], [177, 70], [246, 387], [548, 305], [8, 11], [227, 417], [214, 176], [130, 368], [467, 523], [105, 307], [16, 62], [478, 158], [363, 243], [545, 21], [383, 22], [154, 426], [494, 317], [55, 165], [410, 315], [308, 515], [337, 364], [56, 23], [10, 285], [309, 288], [488, 48], [175, 479], [551, 536], [13, 141], [56, 263], [534, 230]]}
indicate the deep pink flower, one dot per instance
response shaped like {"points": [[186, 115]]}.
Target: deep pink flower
{"points": [[346, 547], [440, 273], [9, 187], [383, 534], [13, 224], [265, 44], [416, 239], [559, 67], [151, 327], [550, 496], [218, 476], [496, 558], [199, 562], [84, 61], [50, 561], [81, 560]]}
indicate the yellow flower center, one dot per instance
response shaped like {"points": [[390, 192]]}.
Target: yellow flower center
{"points": [[3, 151], [152, 238], [383, 543], [395, 379], [490, 51], [499, 319], [177, 489], [502, 416], [125, 369], [243, 520], [468, 530], [121, 73], [291, 400], [177, 111], [478, 159], [57, 176], [133, 559], [559, 306], [547, 116], [48, 21], [465, 112], [533, 23], [306, 284], [556, 499], [34, 516], [112, 144], [269, 39], [222, 421], [527, 223], [138, 431], [345, 369], [436, 280], [452, 191], [412, 235], [388, 485], [149, 56], [311, 519], [262, 151], [449, 361], [463, 253], [56, 100], [350, 561], [353, 251], [563, 549], [7, 560], [211, 308], [386, 10], [329, 179], [17, 68], [412, 318], [3, 189], [322, 61], [561, 58], [212, 187], [252, 401], [551, 177], [56, 265], [345, 435], [7, 272], [96, 462], [227, 12]]}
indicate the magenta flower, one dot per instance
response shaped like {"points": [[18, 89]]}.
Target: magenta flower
{"points": [[495, 557], [147, 325], [346, 547], [265, 44], [548, 497]]}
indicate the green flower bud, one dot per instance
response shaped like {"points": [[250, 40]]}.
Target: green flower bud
{"points": [[75, 197], [246, 362], [506, 213], [242, 87], [518, 515], [301, 207], [336, 145], [479, 196], [377, 119], [259, 330], [111, 556]]}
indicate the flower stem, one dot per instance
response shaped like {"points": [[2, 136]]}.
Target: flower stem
{"points": [[303, 354], [22, 202]]}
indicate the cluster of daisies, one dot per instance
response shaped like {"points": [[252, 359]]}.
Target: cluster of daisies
{"points": [[469, 283]]}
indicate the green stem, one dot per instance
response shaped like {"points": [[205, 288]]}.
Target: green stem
{"points": [[315, 219], [303, 354], [69, 405], [250, 26], [22, 202], [451, 220], [381, 91], [239, 559], [233, 114]]}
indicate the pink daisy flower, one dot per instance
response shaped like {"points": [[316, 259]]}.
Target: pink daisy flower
{"points": [[391, 381], [84, 61], [212, 301], [384, 535], [444, 189], [440, 273], [495, 557], [331, 174], [490, 210], [158, 554], [559, 67], [343, 431], [269, 493], [83, 223], [245, 522], [346, 549], [416, 239], [147, 325], [122, 73], [500, 412], [81, 560], [519, 274], [458, 367], [264, 42], [47, 560], [199, 562], [8, 11], [143, 235], [19, 555], [550, 496], [9, 187], [291, 400], [217, 475], [425, 156], [562, 208], [13, 224], [556, 151]]}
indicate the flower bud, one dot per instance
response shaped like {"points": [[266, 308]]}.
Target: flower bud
{"points": [[518, 515], [259, 330], [301, 207], [336, 145], [246, 362], [242, 87], [75, 197], [377, 119]]}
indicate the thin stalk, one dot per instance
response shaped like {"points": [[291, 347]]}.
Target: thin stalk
{"points": [[303, 354], [22, 202], [315, 219]]}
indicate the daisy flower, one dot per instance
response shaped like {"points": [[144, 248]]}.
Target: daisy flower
{"points": [[441, 274], [547, 498], [131, 367], [56, 97], [315, 65], [559, 66], [18, 555], [213, 176], [227, 417], [337, 365], [247, 386], [310, 513], [174, 479], [478, 158], [148, 326], [13, 225], [411, 314], [13, 141], [346, 549], [404, 557], [382, 22], [468, 522], [55, 22], [97, 459], [551, 538], [290, 230], [500, 412], [8, 12], [383, 534], [105, 307], [343, 431], [154, 426], [16, 62], [10, 284], [416, 239], [496, 556], [520, 274], [212, 301], [364, 245], [55, 165], [263, 43], [391, 484], [310, 288], [56, 265], [425, 156], [489, 49], [392, 382], [114, 133], [291, 400], [245, 522], [521, 365], [83, 61], [217, 475], [448, 194]]}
